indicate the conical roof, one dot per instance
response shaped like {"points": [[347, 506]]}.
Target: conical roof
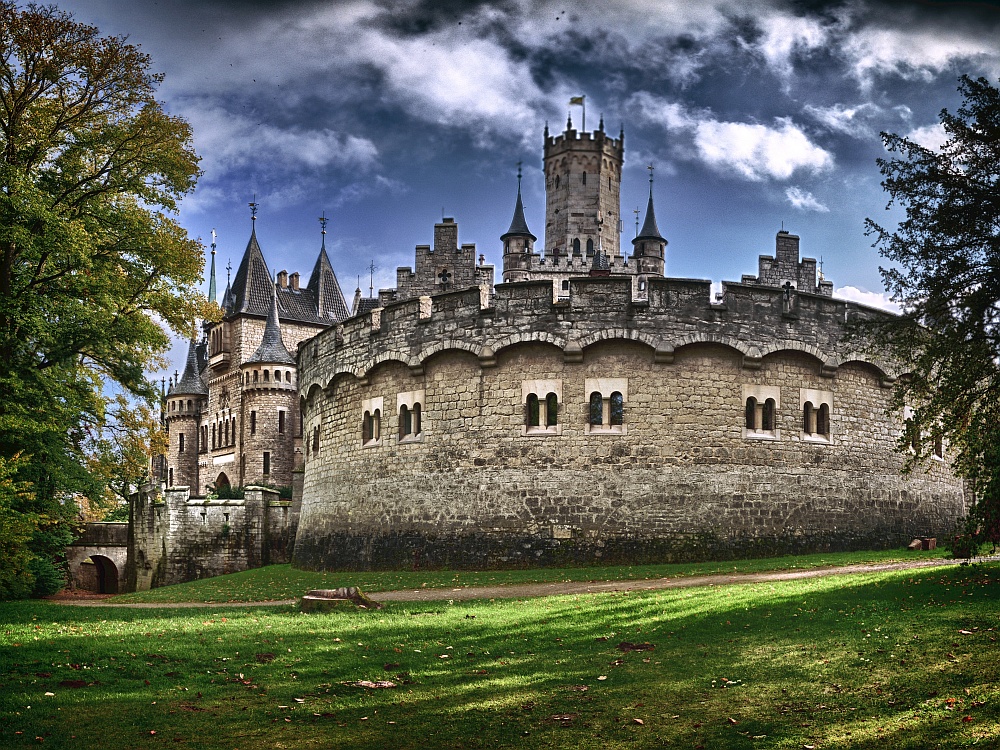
{"points": [[212, 295], [190, 382], [649, 229], [272, 349], [252, 288], [518, 226], [330, 304]]}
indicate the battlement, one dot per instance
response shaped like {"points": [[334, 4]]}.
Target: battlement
{"points": [[573, 140], [674, 312]]}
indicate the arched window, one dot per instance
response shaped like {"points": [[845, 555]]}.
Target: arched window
{"points": [[823, 420], [366, 427], [190, 406], [416, 419], [938, 444], [377, 425], [267, 375], [277, 376], [316, 440], [767, 421], [255, 376], [590, 247], [551, 410], [213, 437], [809, 418], [576, 246], [596, 408], [617, 409], [405, 421], [584, 178], [531, 416], [751, 413], [288, 376]]}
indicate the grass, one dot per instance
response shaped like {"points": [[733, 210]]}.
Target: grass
{"points": [[277, 582], [892, 660]]}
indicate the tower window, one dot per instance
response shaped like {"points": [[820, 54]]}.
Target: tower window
{"points": [[253, 423], [281, 423], [170, 473], [584, 178], [557, 181], [213, 437], [180, 443], [576, 246], [590, 247], [315, 440], [267, 462]]}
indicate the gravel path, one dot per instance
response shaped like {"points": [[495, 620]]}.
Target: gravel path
{"points": [[531, 590]]}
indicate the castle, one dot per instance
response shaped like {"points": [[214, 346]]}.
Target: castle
{"points": [[587, 408]]}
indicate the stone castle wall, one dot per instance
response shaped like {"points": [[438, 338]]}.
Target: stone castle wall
{"points": [[681, 478], [177, 538]]}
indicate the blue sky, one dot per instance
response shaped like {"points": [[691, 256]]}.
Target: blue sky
{"points": [[384, 115]]}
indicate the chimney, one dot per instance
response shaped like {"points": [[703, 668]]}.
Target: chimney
{"points": [[293, 279], [283, 279]]}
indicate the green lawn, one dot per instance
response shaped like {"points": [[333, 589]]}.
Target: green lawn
{"points": [[276, 582], [893, 660]]}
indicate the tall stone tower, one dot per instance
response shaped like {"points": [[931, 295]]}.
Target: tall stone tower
{"points": [[582, 192], [186, 400]]}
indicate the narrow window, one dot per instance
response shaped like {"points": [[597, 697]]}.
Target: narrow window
{"points": [[190, 406], [255, 376], [277, 376], [267, 375], [596, 408], [405, 422], [823, 420], [584, 178], [233, 431], [366, 427], [281, 423], [267, 462], [532, 415], [377, 425], [170, 481], [416, 418], [617, 408], [551, 410], [253, 423], [751, 413], [557, 181], [767, 422], [938, 445], [316, 440], [213, 437], [590, 247], [808, 418], [576, 246], [180, 443], [227, 433]]}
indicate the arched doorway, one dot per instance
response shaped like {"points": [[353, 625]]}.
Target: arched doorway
{"points": [[222, 482], [107, 574]]}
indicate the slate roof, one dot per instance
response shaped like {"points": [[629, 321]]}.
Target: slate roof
{"points": [[367, 304], [272, 349], [320, 302], [190, 382], [649, 229], [518, 226]]}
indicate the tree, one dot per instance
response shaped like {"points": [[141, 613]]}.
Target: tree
{"points": [[946, 277], [91, 257]]}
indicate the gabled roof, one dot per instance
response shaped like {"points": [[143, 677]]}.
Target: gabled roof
{"points": [[330, 305], [190, 382], [367, 304], [272, 349]]}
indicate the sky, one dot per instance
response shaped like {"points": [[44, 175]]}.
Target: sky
{"points": [[386, 115]]}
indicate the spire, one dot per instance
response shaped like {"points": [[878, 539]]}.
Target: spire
{"points": [[649, 229], [569, 121], [600, 125], [211, 274], [191, 382], [518, 226], [272, 349], [252, 286], [227, 296], [330, 304]]}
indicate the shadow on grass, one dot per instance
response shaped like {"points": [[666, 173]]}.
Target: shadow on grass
{"points": [[861, 661]]}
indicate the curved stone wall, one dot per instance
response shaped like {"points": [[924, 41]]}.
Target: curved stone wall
{"points": [[681, 478]]}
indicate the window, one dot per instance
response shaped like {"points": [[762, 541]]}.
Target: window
{"points": [[277, 376], [180, 443], [938, 444], [409, 407], [255, 373], [267, 462], [213, 437], [371, 422], [606, 410], [227, 433], [590, 247], [557, 180], [253, 423], [170, 473], [288, 376], [315, 440], [761, 404], [576, 246], [541, 399], [816, 409], [584, 178], [233, 431], [281, 422]]}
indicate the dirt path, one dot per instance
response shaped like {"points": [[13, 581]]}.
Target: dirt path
{"points": [[531, 590]]}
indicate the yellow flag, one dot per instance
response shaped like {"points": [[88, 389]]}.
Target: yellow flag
{"points": [[576, 100]]}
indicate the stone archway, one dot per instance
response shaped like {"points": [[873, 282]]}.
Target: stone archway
{"points": [[222, 482], [107, 574]]}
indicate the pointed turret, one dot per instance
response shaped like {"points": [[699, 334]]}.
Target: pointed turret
{"points": [[330, 304], [190, 383], [272, 349], [252, 287], [212, 296], [518, 242], [649, 247]]}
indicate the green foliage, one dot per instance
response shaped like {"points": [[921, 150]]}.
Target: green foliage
{"points": [[16, 531], [891, 660], [945, 273], [91, 169]]}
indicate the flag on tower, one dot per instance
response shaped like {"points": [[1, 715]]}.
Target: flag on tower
{"points": [[577, 100]]}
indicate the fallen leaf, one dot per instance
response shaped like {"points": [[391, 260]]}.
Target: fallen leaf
{"points": [[639, 721], [732, 720], [603, 677]]}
